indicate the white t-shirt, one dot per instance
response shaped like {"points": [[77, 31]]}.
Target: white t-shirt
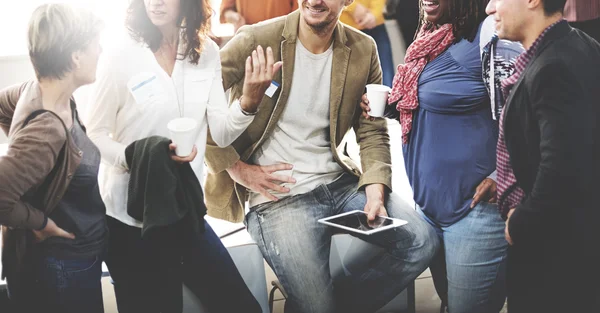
{"points": [[134, 98], [301, 136]]}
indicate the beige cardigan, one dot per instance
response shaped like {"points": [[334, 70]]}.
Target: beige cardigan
{"points": [[33, 152]]}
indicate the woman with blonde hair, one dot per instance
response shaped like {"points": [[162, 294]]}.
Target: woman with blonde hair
{"points": [[53, 218]]}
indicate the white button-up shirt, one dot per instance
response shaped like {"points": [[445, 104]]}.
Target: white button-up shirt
{"points": [[134, 98]]}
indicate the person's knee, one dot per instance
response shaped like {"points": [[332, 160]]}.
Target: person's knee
{"points": [[426, 241], [311, 302], [309, 288]]}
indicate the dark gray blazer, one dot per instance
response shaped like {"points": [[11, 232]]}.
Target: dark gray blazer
{"points": [[554, 142]]}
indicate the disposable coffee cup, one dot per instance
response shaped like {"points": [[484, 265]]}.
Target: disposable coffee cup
{"points": [[183, 134], [378, 98]]}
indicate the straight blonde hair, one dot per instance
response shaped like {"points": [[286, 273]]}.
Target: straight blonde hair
{"points": [[55, 32]]}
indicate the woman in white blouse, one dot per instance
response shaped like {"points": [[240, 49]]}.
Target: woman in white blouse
{"points": [[166, 68]]}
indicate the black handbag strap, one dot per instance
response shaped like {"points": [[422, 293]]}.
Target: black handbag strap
{"points": [[33, 196], [37, 113]]}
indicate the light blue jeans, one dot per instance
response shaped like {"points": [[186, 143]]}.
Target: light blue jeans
{"points": [[469, 270], [297, 248]]}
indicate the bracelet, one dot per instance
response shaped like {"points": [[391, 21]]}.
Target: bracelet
{"points": [[246, 113]]}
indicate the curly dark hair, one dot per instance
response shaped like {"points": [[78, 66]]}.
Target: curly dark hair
{"points": [[194, 18], [465, 15]]}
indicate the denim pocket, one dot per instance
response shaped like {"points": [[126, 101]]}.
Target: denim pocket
{"points": [[60, 275], [78, 266]]}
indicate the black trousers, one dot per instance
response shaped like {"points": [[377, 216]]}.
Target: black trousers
{"points": [[148, 273], [551, 280]]}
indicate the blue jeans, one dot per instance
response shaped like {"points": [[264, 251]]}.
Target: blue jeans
{"points": [[297, 248], [66, 286], [469, 270], [384, 50], [73, 285]]}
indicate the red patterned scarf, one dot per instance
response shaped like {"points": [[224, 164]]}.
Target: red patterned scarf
{"points": [[428, 45]]}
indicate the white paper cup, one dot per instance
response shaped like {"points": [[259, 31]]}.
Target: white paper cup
{"points": [[378, 98], [184, 134]]}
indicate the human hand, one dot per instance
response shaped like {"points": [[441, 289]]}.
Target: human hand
{"points": [[182, 160], [51, 230], [359, 13], [506, 233], [261, 179], [375, 205], [364, 105], [260, 70], [368, 21], [486, 191]]}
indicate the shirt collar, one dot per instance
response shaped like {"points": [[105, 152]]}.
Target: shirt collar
{"points": [[528, 55]]}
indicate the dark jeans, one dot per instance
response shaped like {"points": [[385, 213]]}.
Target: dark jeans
{"points": [[66, 286], [147, 274], [591, 27], [384, 50]]}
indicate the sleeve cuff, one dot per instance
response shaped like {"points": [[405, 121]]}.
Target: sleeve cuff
{"points": [[523, 227], [121, 161], [241, 116], [493, 176], [44, 224], [375, 178], [226, 158]]}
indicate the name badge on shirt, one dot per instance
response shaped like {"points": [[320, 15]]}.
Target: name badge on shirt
{"points": [[272, 89], [145, 88]]}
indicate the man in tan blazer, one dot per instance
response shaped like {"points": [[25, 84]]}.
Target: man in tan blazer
{"points": [[290, 167]]}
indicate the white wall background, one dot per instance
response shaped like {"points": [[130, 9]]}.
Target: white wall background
{"points": [[17, 69], [14, 69], [14, 17]]}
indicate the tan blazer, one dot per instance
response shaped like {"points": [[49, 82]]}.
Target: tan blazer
{"points": [[355, 64]]}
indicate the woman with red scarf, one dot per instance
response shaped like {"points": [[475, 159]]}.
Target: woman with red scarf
{"points": [[449, 134]]}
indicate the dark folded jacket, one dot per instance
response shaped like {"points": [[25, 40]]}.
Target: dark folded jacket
{"points": [[162, 191]]}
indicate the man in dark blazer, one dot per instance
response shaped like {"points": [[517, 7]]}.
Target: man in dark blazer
{"points": [[549, 160]]}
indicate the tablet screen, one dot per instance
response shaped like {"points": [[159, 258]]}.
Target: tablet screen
{"points": [[359, 220]]}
